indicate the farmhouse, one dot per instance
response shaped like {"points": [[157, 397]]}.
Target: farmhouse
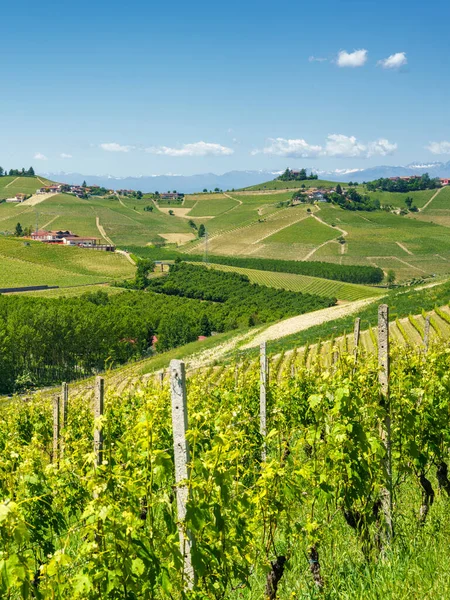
{"points": [[444, 181]]}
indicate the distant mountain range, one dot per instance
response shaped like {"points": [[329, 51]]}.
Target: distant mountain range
{"points": [[240, 179]]}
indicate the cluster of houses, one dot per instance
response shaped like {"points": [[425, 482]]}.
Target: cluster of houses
{"points": [[314, 194], [59, 188], [67, 238]]}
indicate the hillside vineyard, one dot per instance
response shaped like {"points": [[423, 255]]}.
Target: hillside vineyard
{"points": [[350, 462]]}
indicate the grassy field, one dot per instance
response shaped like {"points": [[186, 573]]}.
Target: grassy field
{"points": [[75, 290], [309, 231], [288, 185], [398, 199], [42, 264], [10, 186], [305, 284]]}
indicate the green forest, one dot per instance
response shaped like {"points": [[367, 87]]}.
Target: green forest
{"points": [[45, 340]]}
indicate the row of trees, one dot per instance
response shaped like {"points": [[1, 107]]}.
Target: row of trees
{"points": [[351, 273], [17, 172], [424, 182], [301, 175]]}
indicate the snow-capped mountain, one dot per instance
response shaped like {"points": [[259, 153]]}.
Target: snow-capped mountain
{"points": [[240, 179]]}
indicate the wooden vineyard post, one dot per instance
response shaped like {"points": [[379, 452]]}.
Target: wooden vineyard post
{"points": [[56, 428], [182, 458], [263, 397], [426, 334], [161, 378], [99, 399], [64, 409], [383, 378]]}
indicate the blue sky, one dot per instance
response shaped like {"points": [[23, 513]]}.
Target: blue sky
{"points": [[192, 87]]}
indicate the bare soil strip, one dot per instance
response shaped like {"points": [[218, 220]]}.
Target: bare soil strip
{"points": [[103, 232], [430, 200], [11, 182], [403, 247]]}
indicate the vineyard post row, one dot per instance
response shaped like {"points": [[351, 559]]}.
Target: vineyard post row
{"points": [[180, 424]]}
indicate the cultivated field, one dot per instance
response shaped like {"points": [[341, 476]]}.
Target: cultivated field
{"points": [[42, 264], [305, 284]]}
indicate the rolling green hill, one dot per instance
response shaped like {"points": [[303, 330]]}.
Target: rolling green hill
{"points": [[43, 264], [255, 223], [11, 185]]}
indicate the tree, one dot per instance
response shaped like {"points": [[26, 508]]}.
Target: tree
{"points": [[216, 189], [302, 175], [138, 194], [205, 191], [409, 201], [2, 172], [144, 267], [339, 189], [201, 231], [390, 277], [205, 326], [18, 230], [84, 184], [171, 213], [30, 172]]}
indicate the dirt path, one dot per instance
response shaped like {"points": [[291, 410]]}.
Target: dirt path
{"points": [[278, 330], [11, 182], [429, 201], [127, 256], [103, 232], [125, 206], [51, 221], [403, 247], [344, 233], [302, 322]]}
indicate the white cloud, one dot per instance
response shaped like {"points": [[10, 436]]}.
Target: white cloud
{"points": [[290, 148], [39, 156], [64, 155], [381, 147], [394, 61], [114, 147], [358, 58], [336, 145], [194, 149], [439, 147], [317, 59]]}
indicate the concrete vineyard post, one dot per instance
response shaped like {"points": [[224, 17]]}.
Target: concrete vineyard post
{"points": [[64, 409], [56, 428], [383, 378], [161, 378], [426, 335], [263, 397], [99, 400], [356, 333], [182, 458]]}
